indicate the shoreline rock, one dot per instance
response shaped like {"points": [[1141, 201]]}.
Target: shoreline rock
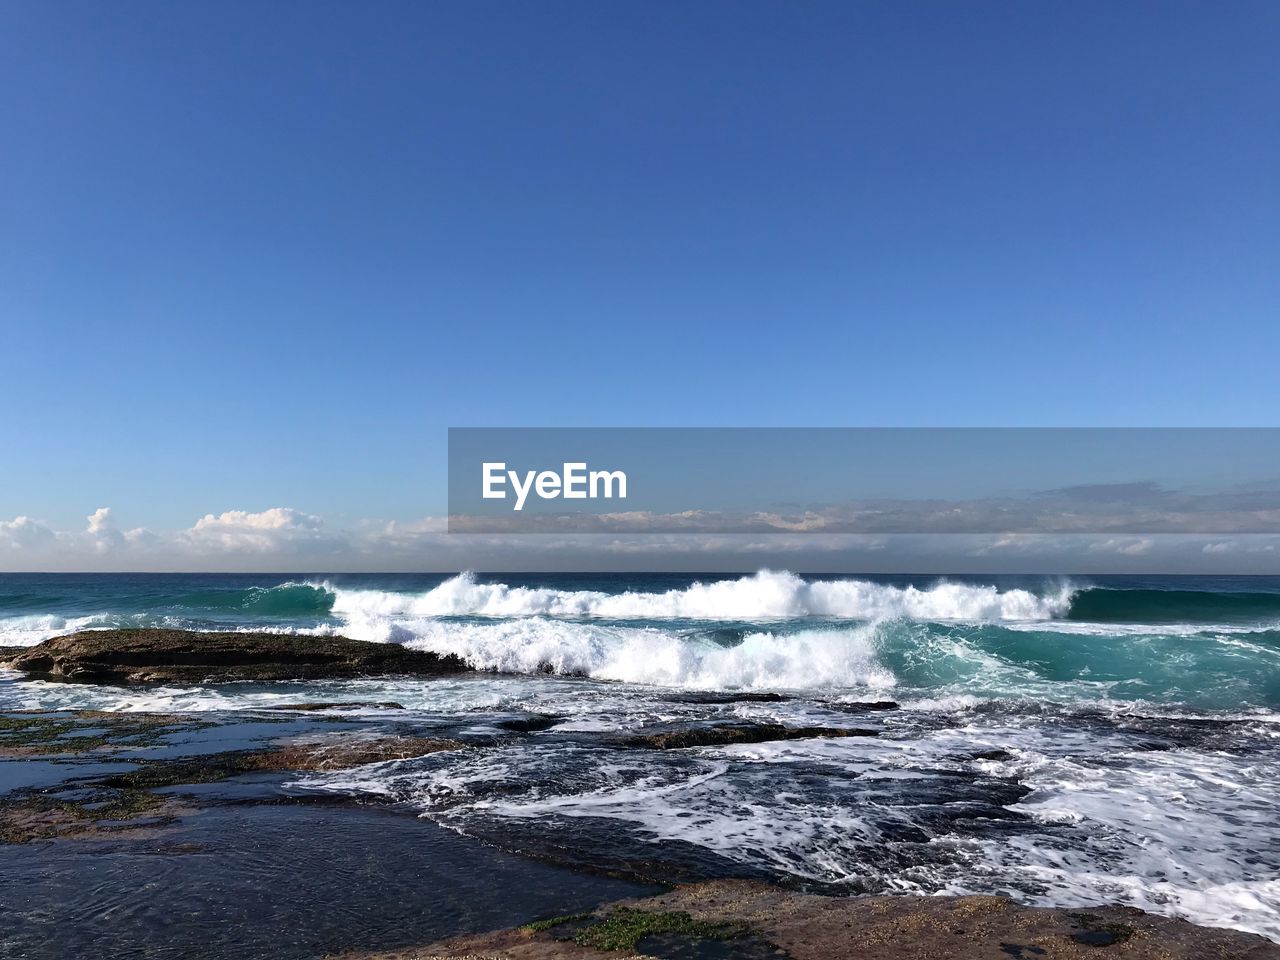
{"points": [[153, 655], [749, 919], [124, 804]]}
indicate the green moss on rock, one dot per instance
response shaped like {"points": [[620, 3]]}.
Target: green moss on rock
{"points": [[49, 817], [37, 734], [626, 926], [539, 926]]}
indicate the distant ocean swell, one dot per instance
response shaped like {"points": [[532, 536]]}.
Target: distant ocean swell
{"points": [[767, 595]]}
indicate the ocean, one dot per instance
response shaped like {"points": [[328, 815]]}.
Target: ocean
{"points": [[1062, 740]]}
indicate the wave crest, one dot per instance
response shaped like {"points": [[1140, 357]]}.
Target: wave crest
{"points": [[767, 595], [804, 660]]}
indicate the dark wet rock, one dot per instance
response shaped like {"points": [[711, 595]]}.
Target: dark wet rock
{"points": [[181, 656], [1096, 931], [335, 752], [153, 775], [706, 920], [341, 752], [529, 724], [549, 669], [863, 706], [737, 733], [339, 705], [992, 755], [676, 946], [728, 696]]}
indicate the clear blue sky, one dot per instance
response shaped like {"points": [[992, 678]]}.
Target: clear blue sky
{"points": [[263, 254]]}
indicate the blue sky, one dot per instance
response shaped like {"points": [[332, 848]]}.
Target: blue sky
{"points": [[260, 256]]}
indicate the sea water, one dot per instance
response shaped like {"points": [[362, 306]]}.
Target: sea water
{"points": [[1061, 740]]}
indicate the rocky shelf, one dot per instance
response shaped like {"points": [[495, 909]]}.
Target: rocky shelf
{"points": [[747, 920], [185, 656]]}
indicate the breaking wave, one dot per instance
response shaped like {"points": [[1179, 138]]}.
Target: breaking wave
{"points": [[767, 595], [807, 659]]}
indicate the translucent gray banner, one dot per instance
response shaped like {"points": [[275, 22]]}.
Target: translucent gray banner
{"points": [[864, 480]]}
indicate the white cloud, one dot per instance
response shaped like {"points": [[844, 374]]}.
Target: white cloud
{"points": [[1125, 546], [23, 533], [276, 529], [102, 534], [100, 521], [103, 537], [1252, 545], [291, 540], [1010, 542], [802, 524]]}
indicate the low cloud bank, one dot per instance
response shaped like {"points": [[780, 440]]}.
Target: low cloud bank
{"points": [[287, 539]]}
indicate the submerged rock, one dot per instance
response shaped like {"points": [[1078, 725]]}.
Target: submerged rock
{"points": [[727, 696], [321, 706], [86, 814], [343, 752], [39, 734], [736, 733], [184, 656], [318, 754], [123, 805], [863, 706], [737, 918], [533, 723]]}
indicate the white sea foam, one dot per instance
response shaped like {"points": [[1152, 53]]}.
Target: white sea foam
{"points": [[804, 660], [1183, 833], [30, 629], [26, 631], [444, 695], [1085, 628], [767, 595]]}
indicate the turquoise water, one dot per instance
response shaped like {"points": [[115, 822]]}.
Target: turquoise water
{"points": [[1209, 643]]}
